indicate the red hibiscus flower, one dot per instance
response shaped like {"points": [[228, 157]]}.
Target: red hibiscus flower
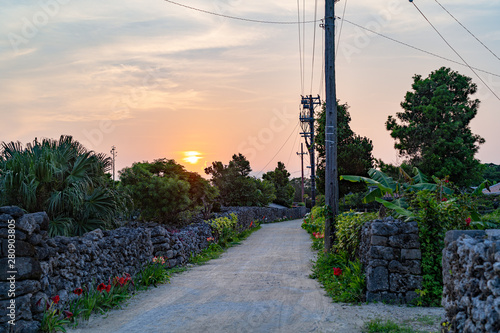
{"points": [[337, 271], [468, 221], [444, 199], [78, 291], [55, 299]]}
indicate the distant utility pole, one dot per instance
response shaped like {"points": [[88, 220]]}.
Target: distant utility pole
{"points": [[302, 169], [331, 169], [113, 153], [307, 119]]}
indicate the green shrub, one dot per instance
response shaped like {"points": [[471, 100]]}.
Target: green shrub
{"points": [[348, 231], [64, 179], [342, 279]]}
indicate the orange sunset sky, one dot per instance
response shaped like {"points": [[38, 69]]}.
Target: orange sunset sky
{"points": [[158, 80]]}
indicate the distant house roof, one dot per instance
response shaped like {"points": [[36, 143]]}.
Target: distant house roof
{"points": [[495, 189]]}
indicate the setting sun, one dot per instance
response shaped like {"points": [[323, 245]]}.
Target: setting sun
{"points": [[192, 157]]}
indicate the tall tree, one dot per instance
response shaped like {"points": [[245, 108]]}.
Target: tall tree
{"points": [[354, 152], [236, 187], [280, 178], [433, 131]]}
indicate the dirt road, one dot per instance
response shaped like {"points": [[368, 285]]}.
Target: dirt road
{"points": [[261, 285]]}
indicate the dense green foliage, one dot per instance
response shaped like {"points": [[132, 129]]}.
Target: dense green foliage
{"points": [[165, 192], [492, 172], [433, 131], [348, 231], [339, 271], [236, 187], [354, 153], [64, 179], [280, 178]]}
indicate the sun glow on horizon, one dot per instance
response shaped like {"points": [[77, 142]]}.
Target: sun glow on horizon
{"points": [[192, 157]]}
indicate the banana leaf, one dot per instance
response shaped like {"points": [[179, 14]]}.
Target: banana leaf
{"points": [[397, 206]]}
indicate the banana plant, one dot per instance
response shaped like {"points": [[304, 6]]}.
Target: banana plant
{"points": [[386, 185]]}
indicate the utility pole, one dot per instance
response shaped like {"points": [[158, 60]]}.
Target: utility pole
{"points": [[113, 153], [307, 119], [331, 169], [302, 169]]}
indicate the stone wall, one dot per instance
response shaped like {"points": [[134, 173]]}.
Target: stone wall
{"points": [[471, 278], [390, 253], [56, 266]]}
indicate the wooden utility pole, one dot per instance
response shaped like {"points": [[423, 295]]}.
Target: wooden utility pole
{"points": [[113, 153], [331, 171], [302, 169]]}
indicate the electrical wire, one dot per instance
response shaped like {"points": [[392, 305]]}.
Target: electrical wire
{"points": [[458, 54], [291, 151], [234, 17], [415, 48], [467, 30], [304, 42], [340, 31], [322, 80], [321, 20], [272, 159], [314, 44], [300, 51]]}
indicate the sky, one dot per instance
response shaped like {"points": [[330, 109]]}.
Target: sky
{"points": [[157, 80]]}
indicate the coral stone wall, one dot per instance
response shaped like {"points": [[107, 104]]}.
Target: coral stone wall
{"points": [[391, 257], [471, 277], [45, 266]]}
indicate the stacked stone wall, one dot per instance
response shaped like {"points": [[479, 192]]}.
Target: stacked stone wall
{"points": [[45, 267], [471, 278], [390, 253]]}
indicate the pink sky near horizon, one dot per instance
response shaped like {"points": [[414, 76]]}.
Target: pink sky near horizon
{"points": [[157, 80]]}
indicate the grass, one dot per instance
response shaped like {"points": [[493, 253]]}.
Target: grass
{"points": [[407, 326]]}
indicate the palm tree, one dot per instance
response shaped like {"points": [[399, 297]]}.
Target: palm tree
{"points": [[62, 178]]}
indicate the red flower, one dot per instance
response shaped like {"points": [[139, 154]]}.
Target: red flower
{"points": [[108, 288], [251, 224], [446, 181], [468, 221], [337, 271], [101, 287], [55, 299], [78, 291], [444, 199], [68, 314]]}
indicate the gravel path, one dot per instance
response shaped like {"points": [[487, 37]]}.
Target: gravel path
{"points": [[261, 285]]}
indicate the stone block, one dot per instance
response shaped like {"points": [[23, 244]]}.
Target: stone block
{"points": [[22, 309], [378, 240], [33, 222], [384, 229], [22, 249], [378, 279], [13, 211], [20, 288], [411, 254], [27, 268], [382, 252], [405, 241]]}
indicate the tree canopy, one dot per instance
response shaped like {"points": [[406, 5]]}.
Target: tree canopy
{"points": [[163, 190], [433, 131], [354, 152], [280, 178], [236, 187]]}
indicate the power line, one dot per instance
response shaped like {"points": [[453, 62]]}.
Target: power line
{"points": [[291, 151], [272, 159], [314, 44], [300, 50], [467, 30], [415, 48], [340, 31], [235, 17], [451, 47]]}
